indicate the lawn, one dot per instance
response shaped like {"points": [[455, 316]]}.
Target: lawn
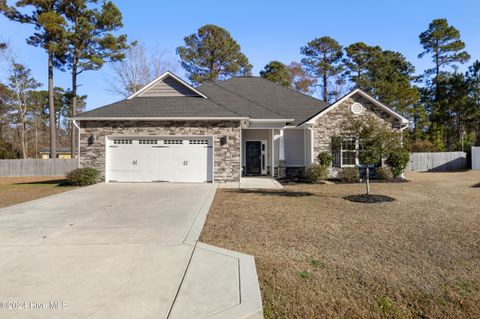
{"points": [[14, 190], [321, 256]]}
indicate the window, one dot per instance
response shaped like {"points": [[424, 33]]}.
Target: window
{"points": [[170, 142], [198, 142], [147, 141], [344, 151], [122, 141], [349, 151]]}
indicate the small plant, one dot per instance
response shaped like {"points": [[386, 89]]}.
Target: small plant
{"points": [[385, 304], [464, 286], [303, 274], [315, 174], [384, 173], [349, 175], [397, 160], [325, 158], [82, 176], [316, 262]]}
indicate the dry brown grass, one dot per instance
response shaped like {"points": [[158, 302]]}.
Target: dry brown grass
{"points": [[320, 256], [14, 190]]}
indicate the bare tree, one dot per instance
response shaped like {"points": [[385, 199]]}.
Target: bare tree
{"points": [[18, 99], [301, 81], [139, 67]]}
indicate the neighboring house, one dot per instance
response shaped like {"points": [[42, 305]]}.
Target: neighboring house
{"points": [[62, 153], [171, 131]]}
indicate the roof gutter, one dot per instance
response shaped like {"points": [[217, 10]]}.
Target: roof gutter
{"points": [[80, 118], [271, 120]]}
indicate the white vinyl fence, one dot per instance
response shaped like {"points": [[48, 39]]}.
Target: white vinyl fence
{"points": [[37, 167], [437, 161], [475, 157]]}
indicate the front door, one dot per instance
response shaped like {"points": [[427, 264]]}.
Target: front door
{"points": [[253, 157]]}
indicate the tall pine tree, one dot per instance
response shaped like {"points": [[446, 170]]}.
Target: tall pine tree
{"points": [[50, 34], [91, 41], [212, 54], [322, 60]]}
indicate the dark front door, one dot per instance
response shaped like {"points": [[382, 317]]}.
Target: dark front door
{"points": [[253, 160]]}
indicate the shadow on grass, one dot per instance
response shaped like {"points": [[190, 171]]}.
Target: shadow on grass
{"points": [[267, 192], [58, 182]]}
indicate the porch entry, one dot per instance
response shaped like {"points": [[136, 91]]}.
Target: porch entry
{"points": [[255, 157]]}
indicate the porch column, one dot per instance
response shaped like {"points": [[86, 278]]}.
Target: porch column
{"points": [[282, 169], [281, 147], [272, 156]]}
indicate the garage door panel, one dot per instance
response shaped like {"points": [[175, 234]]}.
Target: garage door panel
{"points": [[173, 159]]}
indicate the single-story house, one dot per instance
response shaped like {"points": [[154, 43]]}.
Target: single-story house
{"points": [[62, 153], [218, 132]]}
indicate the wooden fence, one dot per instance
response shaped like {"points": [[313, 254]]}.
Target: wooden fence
{"points": [[37, 167], [437, 161]]}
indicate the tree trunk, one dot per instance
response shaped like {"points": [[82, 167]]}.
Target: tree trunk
{"points": [[51, 108], [325, 91], [22, 137], [36, 141], [74, 106], [367, 179]]}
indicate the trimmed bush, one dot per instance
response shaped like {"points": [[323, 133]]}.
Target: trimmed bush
{"points": [[397, 160], [82, 176], [384, 173], [325, 159], [315, 174], [349, 175]]}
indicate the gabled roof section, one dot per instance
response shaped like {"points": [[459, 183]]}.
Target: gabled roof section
{"points": [[312, 120], [167, 85], [259, 98]]}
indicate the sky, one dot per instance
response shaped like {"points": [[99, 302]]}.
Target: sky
{"points": [[265, 30]]}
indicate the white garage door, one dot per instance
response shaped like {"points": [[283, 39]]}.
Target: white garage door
{"points": [[151, 159]]}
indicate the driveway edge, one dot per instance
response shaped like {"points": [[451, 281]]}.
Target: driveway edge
{"points": [[195, 230]]}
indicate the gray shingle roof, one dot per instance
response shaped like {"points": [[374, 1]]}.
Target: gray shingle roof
{"points": [[251, 97], [271, 97]]}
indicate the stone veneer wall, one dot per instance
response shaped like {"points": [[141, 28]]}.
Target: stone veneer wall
{"points": [[226, 157], [331, 123]]}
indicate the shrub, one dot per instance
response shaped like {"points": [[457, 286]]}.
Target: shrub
{"points": [[397, 160], [82, 176], [384, 173], [349, 174], [315, 174], [325, 158]]}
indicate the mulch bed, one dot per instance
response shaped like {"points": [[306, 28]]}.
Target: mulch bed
{"points": [[369, 199]]}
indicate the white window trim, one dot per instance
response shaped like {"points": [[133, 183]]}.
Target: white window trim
{"points": [[343, 151]]}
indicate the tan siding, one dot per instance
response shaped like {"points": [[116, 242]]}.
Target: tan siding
{"points": [[168, 87]]}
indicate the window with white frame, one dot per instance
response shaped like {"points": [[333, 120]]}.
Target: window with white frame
{"points": [[344, 151]]}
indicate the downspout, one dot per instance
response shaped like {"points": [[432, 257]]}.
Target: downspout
{"points": [[311, 144], [401, 140], [78, 141]]}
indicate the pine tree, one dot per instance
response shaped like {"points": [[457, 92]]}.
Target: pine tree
{"points": [[277, 72], [212, 54], [358, 57], [50, 33], [442, 42], [91, 41], [323, 58], [473, 81]]}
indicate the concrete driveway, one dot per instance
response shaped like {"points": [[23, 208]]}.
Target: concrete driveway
{"points": [[105, 251]]}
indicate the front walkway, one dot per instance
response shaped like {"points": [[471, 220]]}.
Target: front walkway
{"points": [[119, 251], [254, 182]]}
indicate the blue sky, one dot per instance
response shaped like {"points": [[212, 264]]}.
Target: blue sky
{"points": [[266, 30]]}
